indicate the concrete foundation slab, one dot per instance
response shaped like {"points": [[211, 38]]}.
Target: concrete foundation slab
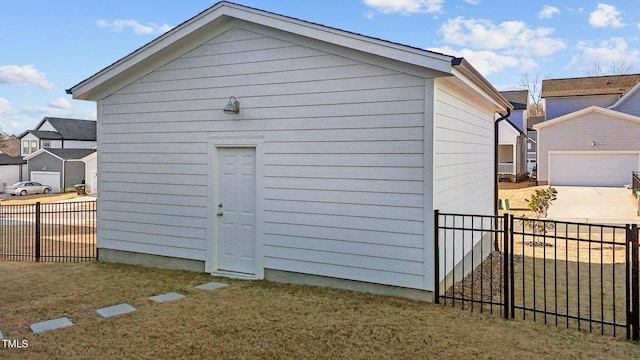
{"points": [[51, 325], [167, 297], [211, 286], [116, 310]]}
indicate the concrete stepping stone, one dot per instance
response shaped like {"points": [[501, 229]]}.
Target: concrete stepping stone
{"points": [[167, 297], [1, 336], [211, 286], [116, 310], [51, 325]]}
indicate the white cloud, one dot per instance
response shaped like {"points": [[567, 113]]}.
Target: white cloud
{"points": [[487, 62], [406, 7], [5, 107], [548, 12], [614, 49], [606, 16], [26, 75], [138, 29], [512, 37], [473, 2], [60, 103], [369, 15]]}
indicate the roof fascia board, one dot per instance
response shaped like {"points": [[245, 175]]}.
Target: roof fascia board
{"points": [[472, 78], [590, 109], [625, 97], [210, 23], [40, 152]]}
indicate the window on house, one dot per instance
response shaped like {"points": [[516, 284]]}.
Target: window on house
{"points": [[34, 146], [25, 146], [46, 144], [529, 146]]}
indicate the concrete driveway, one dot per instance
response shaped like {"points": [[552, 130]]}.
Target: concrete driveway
{"points": [[596, 205]]}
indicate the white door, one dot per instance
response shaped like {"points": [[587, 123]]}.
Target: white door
{"points": [[595, 169], [47, 178], [236, 210]]}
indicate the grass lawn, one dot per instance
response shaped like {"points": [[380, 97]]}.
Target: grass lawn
{"points": [[258, 319]]}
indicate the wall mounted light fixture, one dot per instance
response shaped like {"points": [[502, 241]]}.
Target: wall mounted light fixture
{"points": [[232, 107], [593, 143]]}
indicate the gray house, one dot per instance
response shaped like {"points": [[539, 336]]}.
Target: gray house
{"points": [[250, 144], [59, 168], [591, 133]]}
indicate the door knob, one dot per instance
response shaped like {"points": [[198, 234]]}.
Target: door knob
{"points": [[219, 214]]}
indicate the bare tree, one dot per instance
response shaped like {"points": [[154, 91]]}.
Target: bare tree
{"points": [[613, 67], [534, 86]]}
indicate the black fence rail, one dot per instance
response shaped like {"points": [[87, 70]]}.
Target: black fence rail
{"points": [[576, 275], [60, 232]]}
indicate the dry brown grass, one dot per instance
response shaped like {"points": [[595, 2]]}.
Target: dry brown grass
{"points": [[257, 319]]}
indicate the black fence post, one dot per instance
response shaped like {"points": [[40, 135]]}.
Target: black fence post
{"points": [[37, 223], [436, 257], [635, 283], [506, 235]]}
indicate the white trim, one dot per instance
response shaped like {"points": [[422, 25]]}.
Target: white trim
{"points": [[582, 112], [624, 97], [215, 142], [40, 152]]}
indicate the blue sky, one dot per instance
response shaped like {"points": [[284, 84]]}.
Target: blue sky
{"points": [[51, 45]]}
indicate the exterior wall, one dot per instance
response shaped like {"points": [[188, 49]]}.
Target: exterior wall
{"points": [[631, 105], [46, 126], [91, 168], [463, 166], [340, 161], [518, 119], [46, 162], [73, 144], [73, 174], [28, 137], [609, 134], [556, 107], [9, 174]]}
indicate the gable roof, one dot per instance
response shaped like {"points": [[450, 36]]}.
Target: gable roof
{"points": [[513, 126], [216, 19], [63, 154], [594, 85], [518, 98], [582, 112], [66, 129]]}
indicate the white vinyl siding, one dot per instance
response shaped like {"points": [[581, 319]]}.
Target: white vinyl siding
{"points": [[343, 174], [464, 146], [559, 106], [607, 132], [631, 105]]}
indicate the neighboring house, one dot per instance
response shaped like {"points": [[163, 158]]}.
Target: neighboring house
{"points": [[512, 138], [11, 170], [328, 170], [53, 146], [59, 168], [512, 152], [91, 173], [532, 144], [591, 133]]}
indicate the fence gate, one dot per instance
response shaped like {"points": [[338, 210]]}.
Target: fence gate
{"points": [[577, 275], [48, 232]]}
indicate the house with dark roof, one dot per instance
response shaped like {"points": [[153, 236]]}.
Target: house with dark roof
{"points": [[12, 170], [512, 138], [54, 151], [591, 131], [298, 152]]}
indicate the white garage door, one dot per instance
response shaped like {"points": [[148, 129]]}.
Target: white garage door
{"points": [[47, 178], [594, 169]]}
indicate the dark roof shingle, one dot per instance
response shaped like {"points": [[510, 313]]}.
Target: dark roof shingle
{"points": [[593, 85], [518, 98]]}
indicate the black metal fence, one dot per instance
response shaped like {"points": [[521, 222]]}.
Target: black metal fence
{"points": [[562, 273], [635, 183], [60, 232]]}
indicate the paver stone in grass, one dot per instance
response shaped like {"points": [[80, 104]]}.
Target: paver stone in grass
{"points": [[116, 310], [211, 286], [1, 336], [171, 296], [51, 325]]}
